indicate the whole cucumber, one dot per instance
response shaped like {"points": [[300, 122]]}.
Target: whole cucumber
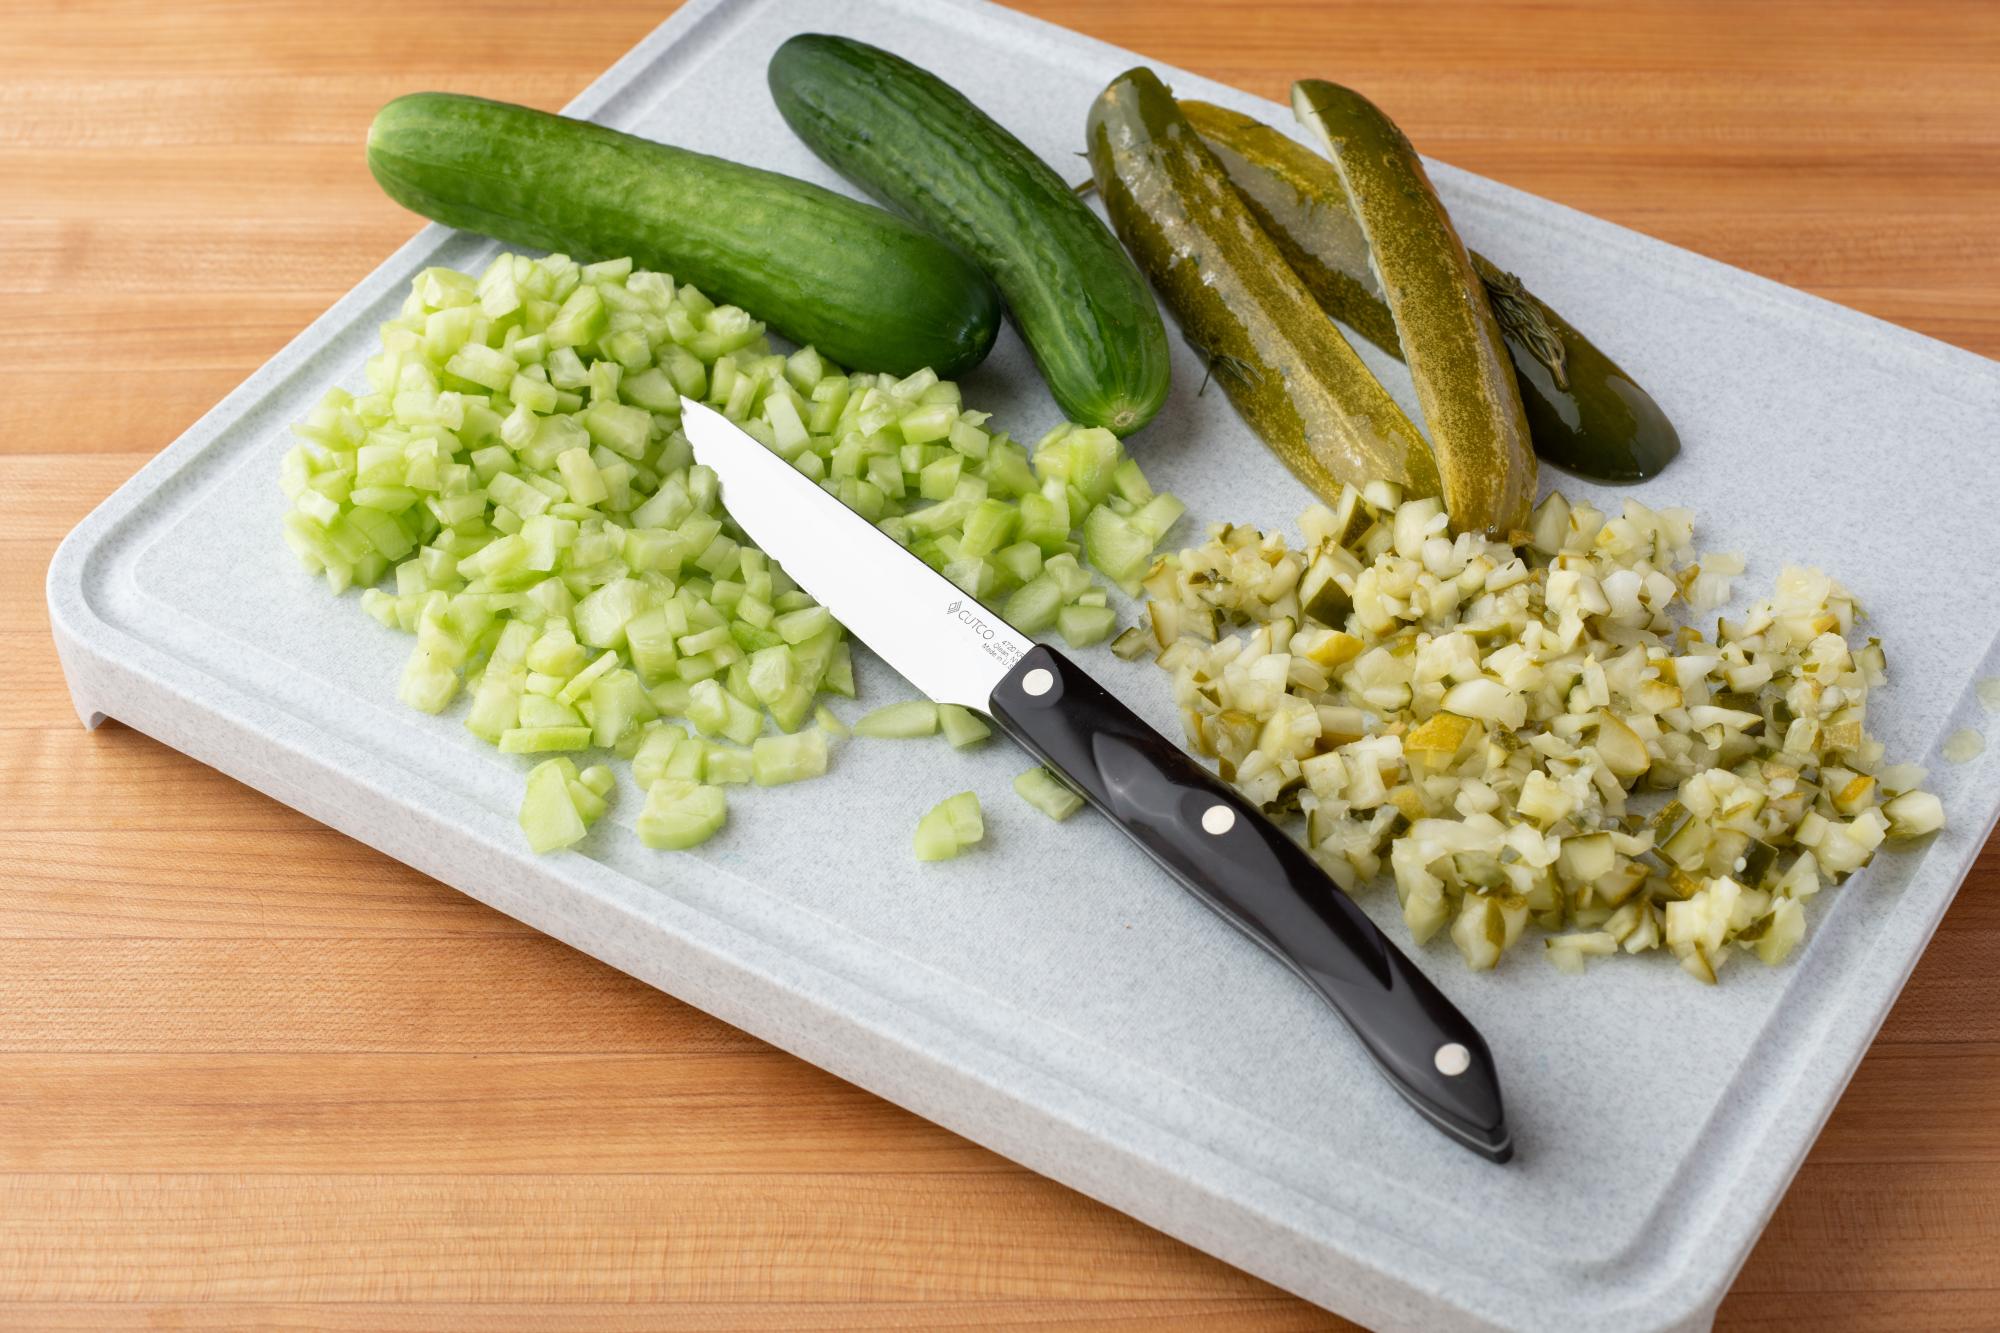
{"points": [[1585, 414], [865, 287], [1284, 365], [1458, 362], [917, 144]]}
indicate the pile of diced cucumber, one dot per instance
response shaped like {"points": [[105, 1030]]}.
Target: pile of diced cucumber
{"points": [[516, 462]]}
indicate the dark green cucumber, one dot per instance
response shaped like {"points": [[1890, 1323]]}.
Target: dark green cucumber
{"points": [[1283, 363], [865, 287], [1585, 414], [922, 148]]}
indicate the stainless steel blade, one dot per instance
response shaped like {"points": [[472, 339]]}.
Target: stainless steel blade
{"points": [[918, 621]]}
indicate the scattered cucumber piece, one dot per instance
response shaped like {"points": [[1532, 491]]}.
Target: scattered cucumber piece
{"points": [[649, 761], [935, 839], [951, 826], [776, 760], [1035, 605], [968, 825], [962, 726], [552, 815], [903, 721], [1082, 626], [680, 813], [725, 765], [1048, 793], [539, 740], [716, 712]]}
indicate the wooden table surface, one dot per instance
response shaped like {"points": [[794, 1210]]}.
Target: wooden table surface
{"points": [[253, 1073]]}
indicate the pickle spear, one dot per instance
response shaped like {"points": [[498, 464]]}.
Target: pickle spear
{"points": [[1296, 196], [1284, 365], [1585, 414], [1458, 362]]}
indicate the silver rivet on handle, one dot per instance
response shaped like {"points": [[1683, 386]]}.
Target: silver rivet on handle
{"points": [[1039, 681]]}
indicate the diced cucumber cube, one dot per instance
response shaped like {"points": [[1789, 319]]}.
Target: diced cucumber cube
{"points": [[1048, 793], [549, 817], [681, 813], [961, 726], [775, 760], [902, 721]]}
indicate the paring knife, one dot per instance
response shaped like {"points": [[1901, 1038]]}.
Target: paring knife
{"points": [[1219, 846]]}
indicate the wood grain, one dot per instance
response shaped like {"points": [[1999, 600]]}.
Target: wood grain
{"points": [[254, 1075]]}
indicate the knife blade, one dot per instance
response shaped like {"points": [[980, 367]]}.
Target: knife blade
{"points": [[1202, 832]]}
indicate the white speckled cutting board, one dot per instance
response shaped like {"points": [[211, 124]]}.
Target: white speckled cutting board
{"points": [[1054, 996]]}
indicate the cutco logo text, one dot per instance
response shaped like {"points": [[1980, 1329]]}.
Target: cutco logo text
{"points": [[958, 612], [989, 635]]}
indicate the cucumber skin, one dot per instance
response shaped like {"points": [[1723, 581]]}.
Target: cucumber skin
{"points": [[866, 288], [922, 148]]}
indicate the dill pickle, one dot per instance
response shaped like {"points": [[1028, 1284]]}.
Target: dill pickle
{"points": [[1284, 365], [1585, 414], [1458, 362], [1296, 196]]}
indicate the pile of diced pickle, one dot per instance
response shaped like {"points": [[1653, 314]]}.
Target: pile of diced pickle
{"points": [[1484, 718]]}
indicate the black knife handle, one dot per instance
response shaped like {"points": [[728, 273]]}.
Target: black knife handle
{"points": [[1222, 849]]}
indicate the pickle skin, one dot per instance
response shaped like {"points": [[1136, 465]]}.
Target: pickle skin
{"points": [[1286, 368], [1597, 422], [1458, 362], [1296, 196]]}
